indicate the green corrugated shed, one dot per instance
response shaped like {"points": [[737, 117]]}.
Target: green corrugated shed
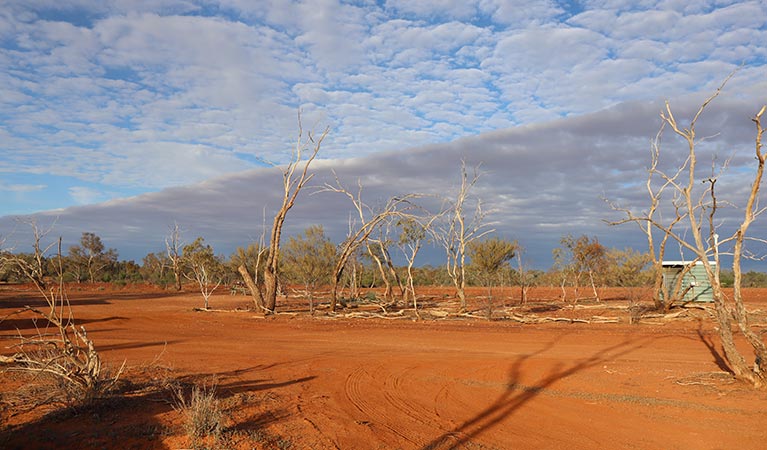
{"points": [[695, 279]]}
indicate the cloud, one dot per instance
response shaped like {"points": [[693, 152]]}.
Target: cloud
{"points": [[85, 195], [541, 182], [136, 97], [22, 187]]}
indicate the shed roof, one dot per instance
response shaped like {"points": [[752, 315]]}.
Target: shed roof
{"points": [[685, 263]]}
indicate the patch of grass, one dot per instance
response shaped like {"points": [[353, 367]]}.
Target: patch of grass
{"points": [[201, 411]]}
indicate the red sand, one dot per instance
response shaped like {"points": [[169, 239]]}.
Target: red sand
{"points": [[296, 381]]}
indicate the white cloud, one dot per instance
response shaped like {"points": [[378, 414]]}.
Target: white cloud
{"points": [[522, 12], [84, 195], [20, 188], [531, 50], [157, 93]]}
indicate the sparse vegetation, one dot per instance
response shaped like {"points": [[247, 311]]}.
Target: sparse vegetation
{"points": [[488, 259], [309, 261], [201, 412], [59, 355]]}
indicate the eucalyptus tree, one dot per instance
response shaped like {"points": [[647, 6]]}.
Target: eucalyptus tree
{"points": [[579, 257], [203, 267], [173, 248], [91, 257], [308, 259], [414, 231], [488, 258], [368, 218]]}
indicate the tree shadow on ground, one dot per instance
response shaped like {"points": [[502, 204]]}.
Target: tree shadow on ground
{"points": [[10, 323], [129, 417], [708, 341], [133, 415], [516, 395], [134, 345], [36, 301], [19, 298]]}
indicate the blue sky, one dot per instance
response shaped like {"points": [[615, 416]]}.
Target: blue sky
{"points": [[107, 100]]}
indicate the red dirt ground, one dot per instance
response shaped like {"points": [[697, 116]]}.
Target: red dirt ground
{"points": [[295, 381]]}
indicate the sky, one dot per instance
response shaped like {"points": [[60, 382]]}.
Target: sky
{"points": [[122, 117]]}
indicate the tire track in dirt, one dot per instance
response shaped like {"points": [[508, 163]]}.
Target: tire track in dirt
{"points": [[404, 391], [363, 400], [396, 402], [448, 399]]}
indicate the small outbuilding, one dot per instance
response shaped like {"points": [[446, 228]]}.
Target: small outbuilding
{"points": [[695, 286]]}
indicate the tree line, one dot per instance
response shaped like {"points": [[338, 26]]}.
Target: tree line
{"points": [[308, 260]]}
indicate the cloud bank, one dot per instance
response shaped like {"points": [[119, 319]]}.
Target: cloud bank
{"points": [[541, 181]]}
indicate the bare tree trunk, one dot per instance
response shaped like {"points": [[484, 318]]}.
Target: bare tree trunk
{"points": [[457, 231], [659, 292], [734, 359], [354, 291], [564, 291], [523, 294], [751, 212], [462, 277], [397, 280], [91, 276], [411, 288], [270, 289], [593, 285], [291, 186], [524, 282], [387, 294], [338, 274], [173, 246], [255, 292]]}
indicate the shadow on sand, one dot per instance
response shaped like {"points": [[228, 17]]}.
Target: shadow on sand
{"points": [[129, 418], [708, 341], [516, 395]]}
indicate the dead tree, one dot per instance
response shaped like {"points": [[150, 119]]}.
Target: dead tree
{"points": [[697, 208], [664, 296], [378, 250], [454, 231], [359, 232], [174, 246], [295, 175], [254, 254], [414, 232], [59, 350], [737, 308]]}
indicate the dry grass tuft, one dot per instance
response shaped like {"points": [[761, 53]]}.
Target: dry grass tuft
{"points": [[201, 411]]}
